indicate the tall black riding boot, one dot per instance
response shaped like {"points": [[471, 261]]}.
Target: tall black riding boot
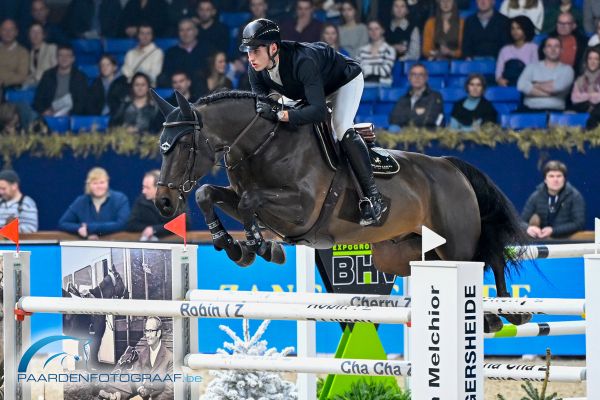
{"points": [[371, 206]]}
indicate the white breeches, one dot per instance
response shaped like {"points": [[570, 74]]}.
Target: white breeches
{"points": [[344, 103]]}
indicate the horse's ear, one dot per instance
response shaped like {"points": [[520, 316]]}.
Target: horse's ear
{"points": [[184, 106], [164, 106]]}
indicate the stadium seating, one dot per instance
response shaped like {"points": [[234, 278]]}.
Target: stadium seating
{"points": [[58, 124], [452, 95], [164, 92], [503, 94], [87, 51], [90, 70], [559, 119], [234, 19], [381, 121], [484, 67], [165, 43], [391, 95], [20, 96], [525, 121], [88, 123], [118, 46], [434, 68]]}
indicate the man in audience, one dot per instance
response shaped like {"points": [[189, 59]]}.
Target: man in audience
{"points": [[486, 32], [92, 19], [39, 14], [545, 84], [421, 106], [591, 15], [181, 82], [146, 57], [556, 209], [14, 204], [303, 28], [145, 217], [188, 55], [212, 34], [573, 41], [62, 89], [14, 59]]}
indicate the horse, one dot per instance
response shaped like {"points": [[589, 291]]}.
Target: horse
{"points": [[280, 181]]}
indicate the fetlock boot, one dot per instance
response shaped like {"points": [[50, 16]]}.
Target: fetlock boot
{"points": [[372, 205]]}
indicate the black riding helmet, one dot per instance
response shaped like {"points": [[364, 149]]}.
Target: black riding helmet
{"points": [[260, 32]]}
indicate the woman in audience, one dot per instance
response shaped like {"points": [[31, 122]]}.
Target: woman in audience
{"points": [[109, 90], [532, 9], [216, 80], [586, 90], [474, 110], [377, 58], [331, 36], [442, 38], [99, 211], [403, 34], [513, 58], [42, 55], [353, 33], [139, 113]]}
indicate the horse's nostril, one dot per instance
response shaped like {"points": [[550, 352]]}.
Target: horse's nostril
{"points": [[165, 202]]}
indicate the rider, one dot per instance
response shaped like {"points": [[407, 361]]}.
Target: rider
{"points": [[314, 73]]}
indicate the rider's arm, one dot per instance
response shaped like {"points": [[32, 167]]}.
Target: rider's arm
{"points": [[316, 110]]}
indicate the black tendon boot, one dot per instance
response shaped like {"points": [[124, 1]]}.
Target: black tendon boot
{"points": [[371, 206]]}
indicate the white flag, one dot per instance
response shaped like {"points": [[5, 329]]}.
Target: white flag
{"points": [[430, 240]]}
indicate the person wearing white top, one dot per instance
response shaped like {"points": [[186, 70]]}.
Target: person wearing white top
{"points": [[146, 57], [532, 9]]}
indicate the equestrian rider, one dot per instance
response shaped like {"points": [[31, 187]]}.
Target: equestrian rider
{"points": [[314, 73]]}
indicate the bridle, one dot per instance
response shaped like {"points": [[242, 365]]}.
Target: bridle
{"points": [[197, 137]]}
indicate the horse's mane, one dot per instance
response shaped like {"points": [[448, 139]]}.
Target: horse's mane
{"points": [[231, 94]]}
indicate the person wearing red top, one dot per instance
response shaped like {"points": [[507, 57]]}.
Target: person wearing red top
{"points": [[573, 42]]}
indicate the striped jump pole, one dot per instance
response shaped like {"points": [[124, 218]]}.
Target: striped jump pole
{"points": [[517, 372], [196, 309], [556, 250], [526, 305], [560, 328], [312, 365], [341, 299]]}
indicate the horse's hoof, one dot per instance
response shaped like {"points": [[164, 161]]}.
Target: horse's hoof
{"points": [[517, 319], [247, 256], [492, 323], [275, 253]]}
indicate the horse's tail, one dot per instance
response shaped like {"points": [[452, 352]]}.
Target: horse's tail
{"points": [[500, 223]]}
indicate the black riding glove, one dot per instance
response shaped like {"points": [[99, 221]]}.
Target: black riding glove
{"points": [[267, 110]]}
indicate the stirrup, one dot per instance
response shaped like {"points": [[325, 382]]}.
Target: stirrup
{"points": [[365, 205]]}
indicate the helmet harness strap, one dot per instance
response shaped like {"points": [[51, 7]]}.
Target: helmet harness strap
{"points": [[272, 56]]}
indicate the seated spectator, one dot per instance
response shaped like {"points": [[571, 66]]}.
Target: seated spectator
{"points": [[178, 10], [10, 123], [145, 57], [377, 58], [100, 211], [62, 89], [39, 15], [303, 28], [331, 36], [486, 32], [595, 38], [42, 55], [145, 217], [443, 34], [556, 209], [573, 41], [591, 15], [215, 80], [212, 34], [353, 33], [585, 95], [552, 13], [532, 9], [403, 33], [421, 11], [183, 84], [14, 59], [152, 13], [421, 106], [474, 110], [92, 19], [545, 84], [139, 113], [109, 90], [188, 55], [514, 57], [14, 204]]}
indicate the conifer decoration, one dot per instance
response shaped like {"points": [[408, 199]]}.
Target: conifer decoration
{"points": [[249, 385]]}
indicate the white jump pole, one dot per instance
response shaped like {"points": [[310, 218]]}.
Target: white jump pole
{"points": [[447, 330], [196, 309], [308, 365], [518, 372], [306, 331], [556, 250], [592, 343], [527, 305]]}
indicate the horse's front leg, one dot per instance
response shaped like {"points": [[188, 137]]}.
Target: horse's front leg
{"points": [[207, 196], [249, 203]]}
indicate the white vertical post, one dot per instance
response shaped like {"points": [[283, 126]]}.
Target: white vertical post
{"points": [[406, 328], [447, 330], [592, 332], [306, 330], [17, 335]]}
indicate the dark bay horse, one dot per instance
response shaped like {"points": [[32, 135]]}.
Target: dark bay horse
{"points": [[280, 180]]}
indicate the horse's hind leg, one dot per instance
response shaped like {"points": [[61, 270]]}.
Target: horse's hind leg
{"points": [[207, 196], [498, 267]]}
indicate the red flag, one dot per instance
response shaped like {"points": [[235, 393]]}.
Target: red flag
{"points": [[11, 231], [177, 226]]}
